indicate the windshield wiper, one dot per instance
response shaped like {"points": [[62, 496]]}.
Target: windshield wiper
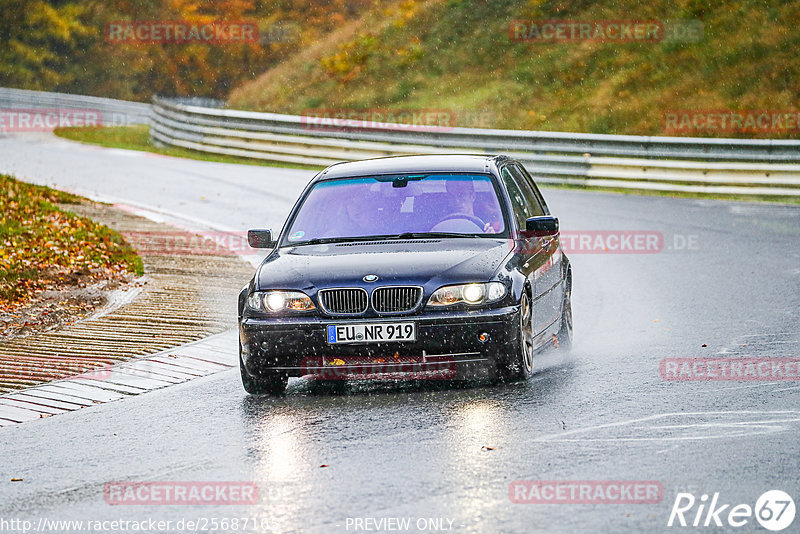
{"points": [[324, 240], [383, 237], [418, 235]]}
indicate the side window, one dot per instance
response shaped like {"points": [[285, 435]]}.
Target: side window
{"points": [[532, 195], [518, 203]]}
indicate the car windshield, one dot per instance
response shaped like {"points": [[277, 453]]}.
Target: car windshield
{"points": [[398, 206]]}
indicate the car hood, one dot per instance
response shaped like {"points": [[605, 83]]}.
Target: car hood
{"points": [[423, 262]]}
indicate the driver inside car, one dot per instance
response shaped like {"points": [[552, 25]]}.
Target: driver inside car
{"points": [[461, 194]]}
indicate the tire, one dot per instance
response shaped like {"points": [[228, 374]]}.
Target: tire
{"points": [[519, 365], [564, 335], [273, 384]]}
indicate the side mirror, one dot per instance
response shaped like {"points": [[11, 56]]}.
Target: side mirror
{"points": [[260, 239], [542, 226]]}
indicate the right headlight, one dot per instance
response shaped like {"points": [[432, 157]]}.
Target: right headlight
{"points": [[472, 294], [280, 301]]}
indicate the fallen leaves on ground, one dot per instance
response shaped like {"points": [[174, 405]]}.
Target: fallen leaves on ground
{"points": [[45, 249]]}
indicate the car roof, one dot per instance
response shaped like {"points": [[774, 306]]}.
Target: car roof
{"points": [[412, 164]]}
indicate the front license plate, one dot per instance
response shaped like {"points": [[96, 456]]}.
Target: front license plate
{"points": [[371, 332]]}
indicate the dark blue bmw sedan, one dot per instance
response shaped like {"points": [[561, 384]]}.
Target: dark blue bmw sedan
{"points": [[407, 267]]}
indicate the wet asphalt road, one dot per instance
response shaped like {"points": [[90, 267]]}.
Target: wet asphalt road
{"points": [[426, 451]]}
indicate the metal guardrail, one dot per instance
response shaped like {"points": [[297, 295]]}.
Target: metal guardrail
{"points": [[699, 165], [114, 112], [727, 166]]}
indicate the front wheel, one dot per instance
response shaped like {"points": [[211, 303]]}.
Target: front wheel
{"points": [[520, 362], [274, 383]]}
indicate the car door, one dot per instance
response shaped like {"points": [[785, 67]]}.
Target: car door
{"points": [[527, 256], [546, 260]]}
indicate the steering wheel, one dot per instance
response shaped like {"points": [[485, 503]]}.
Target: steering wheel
{"points": [[475, 220]]}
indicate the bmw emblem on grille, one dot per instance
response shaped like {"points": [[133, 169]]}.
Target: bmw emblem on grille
{"points": [[371, 278]]}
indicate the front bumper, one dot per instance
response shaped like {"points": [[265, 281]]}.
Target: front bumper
{"points": [[446, 340]]}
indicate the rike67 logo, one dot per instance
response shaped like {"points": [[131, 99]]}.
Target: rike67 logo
{"points": [[774, 510]]}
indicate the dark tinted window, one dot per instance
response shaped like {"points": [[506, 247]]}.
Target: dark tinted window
{"points": [[531, 195], [375, 206], [518, 201]]}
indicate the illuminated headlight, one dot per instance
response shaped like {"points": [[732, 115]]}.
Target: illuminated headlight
{"points": [[473, 293], [279, 301], [468, 294]]}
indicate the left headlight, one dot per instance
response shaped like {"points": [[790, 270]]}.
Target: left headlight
{"points": [[484, 293], [280, 301]]}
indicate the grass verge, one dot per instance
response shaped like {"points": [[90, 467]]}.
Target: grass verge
{"points": [[44, 247], [138, 138], [462, 57]]}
